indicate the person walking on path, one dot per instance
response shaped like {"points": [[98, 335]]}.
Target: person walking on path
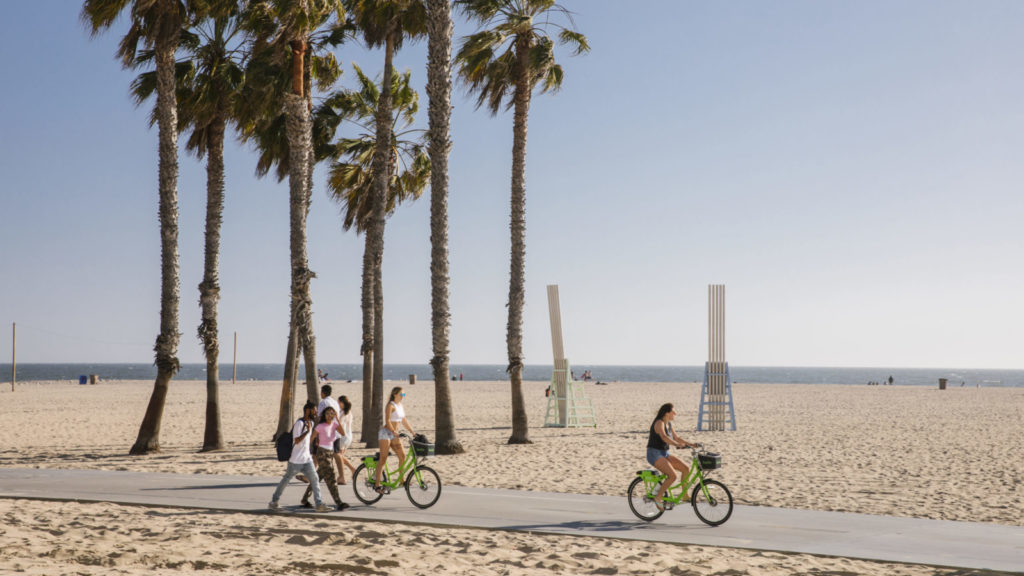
{"points": [[394, 415], [660, 438], [342, 443], [301, 460], [326, 434]]}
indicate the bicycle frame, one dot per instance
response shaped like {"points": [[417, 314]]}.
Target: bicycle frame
{"points": [[676, 494], [395, 478]]}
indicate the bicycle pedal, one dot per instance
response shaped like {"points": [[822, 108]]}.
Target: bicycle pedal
{"points": [[668, 505]]}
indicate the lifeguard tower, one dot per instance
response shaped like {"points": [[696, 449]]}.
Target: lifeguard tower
{"points": [[716, 394], [568, 404]]}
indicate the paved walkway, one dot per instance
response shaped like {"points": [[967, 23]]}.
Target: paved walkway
{"points": [[934, 542]]}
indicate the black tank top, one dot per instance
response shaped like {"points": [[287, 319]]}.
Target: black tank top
{"points": [[655, 441]]}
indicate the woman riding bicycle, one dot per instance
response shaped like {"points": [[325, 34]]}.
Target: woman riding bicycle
{"points": [[394, 415], [661, 437]]}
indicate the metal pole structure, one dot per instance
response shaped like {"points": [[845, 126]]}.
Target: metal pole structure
{"points": [[234, 360], [14, 354]]}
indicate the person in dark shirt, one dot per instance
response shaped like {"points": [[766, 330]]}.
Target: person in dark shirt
{"points": [[662, 436]]}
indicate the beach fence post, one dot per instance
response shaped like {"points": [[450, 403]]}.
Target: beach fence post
{"points": [[234, 360], [716, 393], [14, 354], [568, 404]]}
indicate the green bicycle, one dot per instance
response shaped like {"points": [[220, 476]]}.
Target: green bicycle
{"points": [[422, 484], [711, 500]]}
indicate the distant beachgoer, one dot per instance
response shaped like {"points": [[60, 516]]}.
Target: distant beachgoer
{"points": [[658, 441], [890, 380], [326, 434], [460, 376], [342, 444], [394, 415], [321, 375], [301, 460]]}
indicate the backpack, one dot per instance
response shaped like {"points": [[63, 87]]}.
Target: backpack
{"points": [[284, 444]]}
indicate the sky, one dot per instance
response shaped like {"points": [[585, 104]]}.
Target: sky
{"points": [[850, 171]]}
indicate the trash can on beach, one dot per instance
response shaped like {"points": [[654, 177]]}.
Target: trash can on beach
{"points": [[94, 378], [942, 383], [412, 378], [83, 379]]}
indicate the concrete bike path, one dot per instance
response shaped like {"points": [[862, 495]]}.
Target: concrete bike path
{"points": [[886, 538]]}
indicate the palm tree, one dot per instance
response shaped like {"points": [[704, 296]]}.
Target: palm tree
{"points": [[439, 90], [206, 103], [385, 23], [276, 110], [157, 24], [513, 52]]}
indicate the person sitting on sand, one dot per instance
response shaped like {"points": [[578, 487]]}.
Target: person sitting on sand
{"points": [[301, 460], [326, 434], [394, 414], [661, 437]]}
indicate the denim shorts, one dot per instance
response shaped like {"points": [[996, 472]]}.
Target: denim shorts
{"points": [[385, 434], [654, 454]]}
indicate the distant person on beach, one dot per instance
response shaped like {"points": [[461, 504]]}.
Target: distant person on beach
{"points": [[890, 380], [342, 443], [327, 431], [394, 415], [321, 375], [301, 460], [658, 441]]}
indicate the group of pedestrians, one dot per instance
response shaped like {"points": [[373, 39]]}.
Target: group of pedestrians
{"points": [[321, 438], [327, 427]]}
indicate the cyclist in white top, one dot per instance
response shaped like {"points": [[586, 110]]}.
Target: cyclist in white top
{"points": [[394, 414]]}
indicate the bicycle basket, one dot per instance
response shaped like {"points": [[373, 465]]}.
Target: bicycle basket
{"points": [[710, 460], [422, 446]]}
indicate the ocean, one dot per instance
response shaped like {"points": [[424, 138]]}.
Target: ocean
{"points": [[740, 374]]}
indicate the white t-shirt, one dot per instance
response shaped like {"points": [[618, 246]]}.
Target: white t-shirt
{"points": [[346, 423], [300, 451], [324, 404]]}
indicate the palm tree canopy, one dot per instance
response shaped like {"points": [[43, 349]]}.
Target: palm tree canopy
{"points": [[489, 61], [376, 19], [271, 23], [151, 21], [208, 81], [350, 178]]}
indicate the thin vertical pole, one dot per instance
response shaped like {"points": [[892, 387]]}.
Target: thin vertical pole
{"points": [[234, 360], [14, 354]]}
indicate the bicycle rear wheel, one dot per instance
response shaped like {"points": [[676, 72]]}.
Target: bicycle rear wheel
{"points": [[714, 508], [423, 493], [641, 503], [362, 485]]}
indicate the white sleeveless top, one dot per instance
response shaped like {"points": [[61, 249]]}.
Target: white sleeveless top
{"points": [[398, 414]]}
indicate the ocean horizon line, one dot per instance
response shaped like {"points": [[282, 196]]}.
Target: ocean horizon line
{"points": [[38, 371]]}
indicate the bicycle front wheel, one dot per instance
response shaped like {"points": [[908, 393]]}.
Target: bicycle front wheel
{"points": [[641, 503], [715, 507], [362, 485], [423, 492]]}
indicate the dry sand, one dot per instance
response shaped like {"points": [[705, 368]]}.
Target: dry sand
{"points": [[904, 451]]}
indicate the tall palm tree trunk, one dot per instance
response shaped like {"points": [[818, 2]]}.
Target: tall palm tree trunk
{"points": [[209, 289], [309, 338], [369, 431], [439, 89], [517, 276], [376, 229], [166, 347], [287, 408]]}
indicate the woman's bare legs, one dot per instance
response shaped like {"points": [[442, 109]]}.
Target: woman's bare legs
{"points": [[665, 467]]}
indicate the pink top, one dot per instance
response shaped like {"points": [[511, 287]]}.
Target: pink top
{"points": [[327, 432]]}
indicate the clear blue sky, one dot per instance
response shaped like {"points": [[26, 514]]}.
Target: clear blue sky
{"points": [[851, 171]]}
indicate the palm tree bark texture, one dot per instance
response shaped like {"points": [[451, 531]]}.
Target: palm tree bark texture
{"points": [[439, 89]]}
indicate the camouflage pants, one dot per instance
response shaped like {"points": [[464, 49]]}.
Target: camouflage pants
{"points": [[325, 469]]}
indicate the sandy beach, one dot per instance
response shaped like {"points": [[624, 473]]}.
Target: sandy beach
{"points": [[902, 451]]}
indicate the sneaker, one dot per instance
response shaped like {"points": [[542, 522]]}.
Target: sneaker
{"points": [[323, 508], [273, 505], [343, 506]]}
